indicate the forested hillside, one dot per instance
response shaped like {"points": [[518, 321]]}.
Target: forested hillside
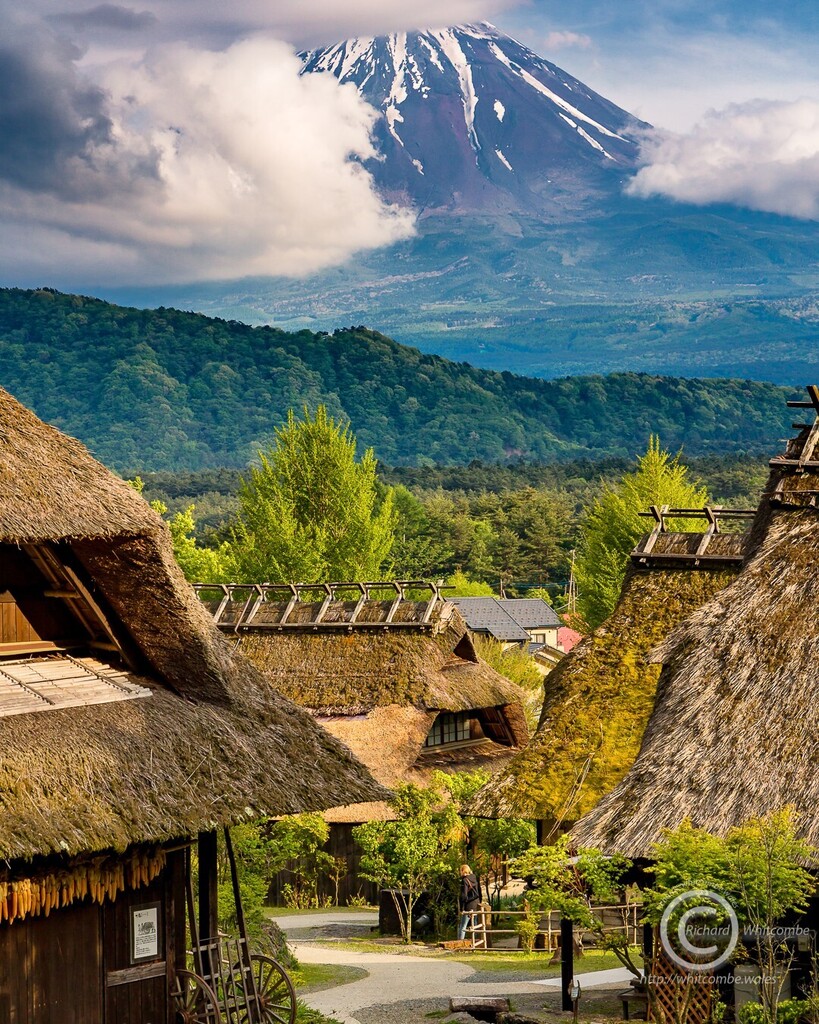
{"points": [[166, 390]]}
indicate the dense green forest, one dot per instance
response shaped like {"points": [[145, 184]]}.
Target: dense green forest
{"points": [[512, 523], [151, 390]]}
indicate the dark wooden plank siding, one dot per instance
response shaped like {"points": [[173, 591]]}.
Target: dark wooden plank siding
{"points": [[145, 1000], [14, 975], [52, 969], [351, 884], [36, 616], [14, 626], [74, 967]]}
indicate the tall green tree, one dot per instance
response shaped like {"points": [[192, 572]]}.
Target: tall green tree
{"points": [[613, 526], [311, 511]]}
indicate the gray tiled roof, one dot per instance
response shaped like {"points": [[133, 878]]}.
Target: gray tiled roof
{"points": [[487, 615], [531, 612]]}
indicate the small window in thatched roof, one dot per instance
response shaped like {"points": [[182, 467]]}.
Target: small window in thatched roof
{"points": [[450, 728], [46, 684], [461, 727]]}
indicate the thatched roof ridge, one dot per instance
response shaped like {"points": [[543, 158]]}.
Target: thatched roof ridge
{"points": [[600, 696], [352, 674], [721, 545], [734, 730], [52, 489]]}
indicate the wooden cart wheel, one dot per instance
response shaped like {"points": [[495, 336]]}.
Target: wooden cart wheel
{"points": [[277, 997], [194, 1001]]}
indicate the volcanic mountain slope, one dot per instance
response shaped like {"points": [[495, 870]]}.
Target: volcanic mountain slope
{"points": [[530, 254], [473, 121]]}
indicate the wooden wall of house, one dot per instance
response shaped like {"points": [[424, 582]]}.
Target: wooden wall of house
{"points": [[14, 626], [74, 967], [351, 885], [26, 614], [51, 968]]}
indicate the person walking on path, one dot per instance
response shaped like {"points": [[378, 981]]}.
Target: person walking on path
{"points": [[470, 900]]}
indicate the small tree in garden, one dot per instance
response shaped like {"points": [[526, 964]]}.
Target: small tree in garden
{"points": [[493, 842], [410, 855], [337, 870], [572, 884], [761, 868], [496, 841]]}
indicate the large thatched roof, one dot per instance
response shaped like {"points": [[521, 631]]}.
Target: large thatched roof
{"points": [[600, 696], [434, 667], [735, 728], [213, 743], [379, 690]]}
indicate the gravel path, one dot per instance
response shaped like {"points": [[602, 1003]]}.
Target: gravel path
{"points": [[399, 988], [396, 978], [404, 989]]}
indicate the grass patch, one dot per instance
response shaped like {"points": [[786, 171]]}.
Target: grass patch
{"points": [[306, 1015], [297, 911], [355, 945], [592, 960], [510, 961], [315, 977]]}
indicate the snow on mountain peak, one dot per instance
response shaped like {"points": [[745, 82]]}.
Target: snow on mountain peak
{"points": [[466, 110]]}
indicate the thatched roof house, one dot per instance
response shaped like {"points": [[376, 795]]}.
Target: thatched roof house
{"points": [[733, 733], [87, 569], [599, 698], [127, 728], [389, 669]]}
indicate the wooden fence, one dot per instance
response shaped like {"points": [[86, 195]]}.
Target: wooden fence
{"points": [[615, 917]]}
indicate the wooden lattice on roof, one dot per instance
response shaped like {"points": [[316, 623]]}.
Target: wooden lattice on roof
{"points": [[46, 684], [710, 547], [793, 470], [321, 607]]}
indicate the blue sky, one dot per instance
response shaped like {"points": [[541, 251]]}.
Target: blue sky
{"points": [[156, 140], [669, 61]]}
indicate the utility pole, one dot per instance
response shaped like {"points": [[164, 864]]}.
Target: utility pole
{"points": [[571, 589]]}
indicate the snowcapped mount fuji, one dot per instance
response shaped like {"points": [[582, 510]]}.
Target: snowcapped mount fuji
{"points": [[473, 121]]}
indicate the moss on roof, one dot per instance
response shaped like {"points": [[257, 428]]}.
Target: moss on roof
{"points": [[733, 734], [353, 673], [598, 702]]}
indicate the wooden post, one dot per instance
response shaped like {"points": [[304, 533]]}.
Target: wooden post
{"points": [[648, 948], [208, 887], [566, 962]]}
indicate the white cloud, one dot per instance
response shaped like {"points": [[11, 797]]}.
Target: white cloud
{"points": [[762, 154], [302, 22], [213, 164], [563, 40]]}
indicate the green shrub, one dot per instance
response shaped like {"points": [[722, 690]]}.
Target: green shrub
{"points": [[789, 1011]]}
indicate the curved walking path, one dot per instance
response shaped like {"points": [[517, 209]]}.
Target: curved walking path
{"points": [[392, 978]]}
